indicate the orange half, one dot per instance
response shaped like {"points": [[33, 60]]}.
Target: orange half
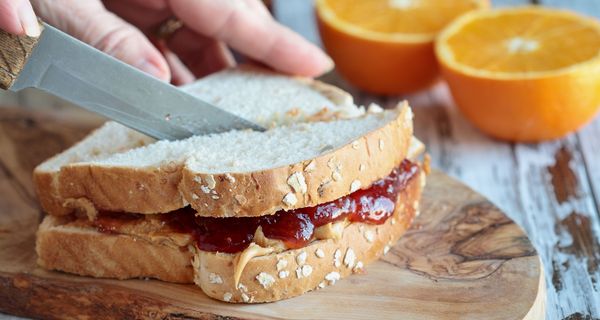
{"points": [[386, 46], [523, 74]]}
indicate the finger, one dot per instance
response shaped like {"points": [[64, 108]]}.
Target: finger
{"points": [[189, 55], [90, 22], [260, 38], [121, 40], [150, 4], [146, 15], [17, 17], [202, 55], [180, 73], [258, 7]]}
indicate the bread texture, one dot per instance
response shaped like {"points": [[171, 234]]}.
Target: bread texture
{"points": [[149, 252], [63, 246], [271, 99], [315, 180], [109, 139], [232, 174], [238, 173], [258, 95]]}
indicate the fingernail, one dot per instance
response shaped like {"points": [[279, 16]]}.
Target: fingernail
{"points": [[28, 20], [329, 64], [152, 69]]}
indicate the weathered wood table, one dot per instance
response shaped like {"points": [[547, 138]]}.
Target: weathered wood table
{"points": [[551, 189]]}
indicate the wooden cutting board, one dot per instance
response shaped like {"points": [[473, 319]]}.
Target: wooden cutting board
{"points": [[463, 258]]}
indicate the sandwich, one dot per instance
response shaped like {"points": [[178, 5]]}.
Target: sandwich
{"points": [[247, 216]]}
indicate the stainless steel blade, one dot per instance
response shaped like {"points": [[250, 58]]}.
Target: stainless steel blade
{"points": [[77, 72]]}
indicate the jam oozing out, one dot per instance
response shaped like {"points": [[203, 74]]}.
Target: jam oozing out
{"points": [[295, 228], [373, 205]]}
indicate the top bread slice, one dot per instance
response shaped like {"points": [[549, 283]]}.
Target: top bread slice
{"points": [[257, 94], [238, 173]]}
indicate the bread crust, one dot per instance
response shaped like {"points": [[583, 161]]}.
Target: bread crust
{"points": [[163, 189], [85, 251], [47, 184], [172, 186], [331, 92], [304, 184], [121, 189], [323, 270]]}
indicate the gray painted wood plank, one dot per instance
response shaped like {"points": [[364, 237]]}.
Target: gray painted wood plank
{"points": [[589, 142], [589, 137], [561, 218]]}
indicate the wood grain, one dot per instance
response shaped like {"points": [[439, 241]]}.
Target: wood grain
{"points": [[14, 52], [462, 259]]}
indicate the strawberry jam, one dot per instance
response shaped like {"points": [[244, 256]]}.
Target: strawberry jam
{"points": [[373, 205], [295, 228]]}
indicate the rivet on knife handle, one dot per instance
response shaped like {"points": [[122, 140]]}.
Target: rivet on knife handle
{"points": [[14, 51]]}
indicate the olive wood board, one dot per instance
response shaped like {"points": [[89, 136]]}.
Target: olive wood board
{"points": [[462, 259]]}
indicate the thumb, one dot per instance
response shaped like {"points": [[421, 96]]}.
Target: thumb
{"points": [[17, 17], [90, 22]]}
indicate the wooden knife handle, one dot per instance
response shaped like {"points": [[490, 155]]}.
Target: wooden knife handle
{"points": [[14, 52]]}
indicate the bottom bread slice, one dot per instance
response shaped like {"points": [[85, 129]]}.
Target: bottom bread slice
{"points": [[148, 250], [65, 246]]}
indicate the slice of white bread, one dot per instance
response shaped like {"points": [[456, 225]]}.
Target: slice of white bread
{"points": [[149, 250], [256, 94], [297, 166], [66, 246], [105, 141], [245, 173], [293, 166]]}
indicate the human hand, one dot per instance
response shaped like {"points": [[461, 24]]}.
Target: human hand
{"points": [[17, 17], [122, 28]]}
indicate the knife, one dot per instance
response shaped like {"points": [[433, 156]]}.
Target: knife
{"points": [[68, 68]]}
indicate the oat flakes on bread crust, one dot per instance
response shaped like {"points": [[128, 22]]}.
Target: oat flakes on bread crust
{"points": [[308, 183], [85, 251], [321, 267], [160, 187], [108, 139], [114, 138]]}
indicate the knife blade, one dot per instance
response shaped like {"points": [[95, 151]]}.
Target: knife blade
{"points": [[68, 68]]}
